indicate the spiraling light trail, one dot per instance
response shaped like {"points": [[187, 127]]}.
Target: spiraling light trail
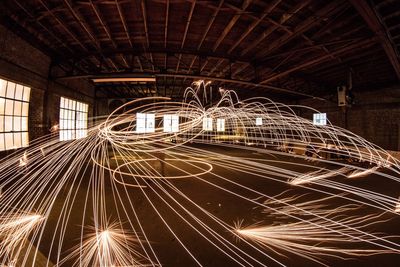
{"points": [[99, 178]]}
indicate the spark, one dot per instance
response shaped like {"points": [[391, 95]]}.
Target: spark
{"points": [[23, 160], [114, 162], [14, 229], [362, 173], [317, 175], [111, 246]]}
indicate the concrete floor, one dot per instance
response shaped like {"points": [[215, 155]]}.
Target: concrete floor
{"points": [[221, 204]]}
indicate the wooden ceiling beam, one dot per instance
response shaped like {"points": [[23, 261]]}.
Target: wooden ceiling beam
{"points": [[301, 28], [186, 31], [270, 30], [320, 59], [146, 29], [368, 14], [255, 23], [103, 24]]}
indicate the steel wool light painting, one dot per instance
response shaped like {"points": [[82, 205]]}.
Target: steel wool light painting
{"points": [[85, 202]]}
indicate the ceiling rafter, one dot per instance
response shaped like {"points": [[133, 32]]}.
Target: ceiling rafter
{"points": [[70, 33], [208, 27], [144, 14], [225, 32], [103, 24], [186, 31], [368, 14], [276, 26], [255, 23], [83, 24], [30, 15], [330, 8], [319, 59]]}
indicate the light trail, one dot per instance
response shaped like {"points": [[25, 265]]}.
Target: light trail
{"points": [[97, 179]]}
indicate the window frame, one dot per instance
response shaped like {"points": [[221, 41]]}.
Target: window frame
{"points": [[73, 119], [14, 114]]}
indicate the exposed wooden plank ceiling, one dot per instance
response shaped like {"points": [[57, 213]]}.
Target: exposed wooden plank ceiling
{"points": [[302, 46]]}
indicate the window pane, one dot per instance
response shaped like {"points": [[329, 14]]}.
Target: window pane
{"points": [[220, 125], [207, 124], [17, 108], [1, 123], [25, 109], [2, 105], [9, 141], [17, 124], [3, 88], [25, 139], [19, 89], [140, 122], [24, 124], [10, 90], [150, 123], [62, 102], [27, 93], [17, 140], [2, 145], [8, 123], [9, 107]]}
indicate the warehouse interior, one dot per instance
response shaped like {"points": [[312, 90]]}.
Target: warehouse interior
{"points": [[282, 145]]}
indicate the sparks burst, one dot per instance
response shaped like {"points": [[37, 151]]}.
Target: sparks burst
{"points": [[59, 197]]}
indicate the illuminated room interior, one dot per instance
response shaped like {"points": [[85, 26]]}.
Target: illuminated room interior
{"points": [[199, 133]]}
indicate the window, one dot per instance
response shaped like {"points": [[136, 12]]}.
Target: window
{"points": [[171, 123], [14, 109], [73, 119], [207, 124], [319, 119], [145, 123], [220, 125], [258, 121]]}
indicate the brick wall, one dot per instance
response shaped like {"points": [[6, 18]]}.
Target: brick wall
{"points": [[375, 116], [22, 63]]}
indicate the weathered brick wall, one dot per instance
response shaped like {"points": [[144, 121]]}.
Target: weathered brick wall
{"points": [[22, 63], [375, 116]]}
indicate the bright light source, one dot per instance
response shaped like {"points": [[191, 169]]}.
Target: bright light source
{"points": [[220, 125], [145, 123], [319, 119], [73, 119], [207, 124], [171, 123], [259, 121]]}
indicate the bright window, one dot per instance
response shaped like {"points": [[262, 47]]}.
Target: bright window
{"points": [[171, 123], [220, 125], [319, 118], [73, 119], [14, 109], [207, 124], [258, 121], [145, 122]]}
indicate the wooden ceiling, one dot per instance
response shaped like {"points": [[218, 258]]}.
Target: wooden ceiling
{"points": [[292, 48]]}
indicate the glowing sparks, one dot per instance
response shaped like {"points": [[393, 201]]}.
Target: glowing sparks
{"points": [[14, 230], [317, 175], [23, 160], [397, 209], [109, 247], [117, 160], [362, 173]]}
